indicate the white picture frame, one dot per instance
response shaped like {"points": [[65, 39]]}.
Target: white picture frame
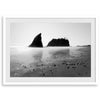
{"points": [[7, 80]]}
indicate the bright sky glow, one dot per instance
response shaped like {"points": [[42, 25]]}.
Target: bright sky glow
{"points": [[22, 34]]}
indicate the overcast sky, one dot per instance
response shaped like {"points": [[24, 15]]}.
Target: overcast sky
{"points": [[22, 34]]}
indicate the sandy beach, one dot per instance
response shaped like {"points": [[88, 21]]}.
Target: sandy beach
{"points": [[50, 62]]}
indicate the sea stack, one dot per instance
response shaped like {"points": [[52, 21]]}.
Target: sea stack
{"points": [[59, 42], [37, 41]]}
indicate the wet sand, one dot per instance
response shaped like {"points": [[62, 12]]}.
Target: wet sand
{"points": [[51, 62]]}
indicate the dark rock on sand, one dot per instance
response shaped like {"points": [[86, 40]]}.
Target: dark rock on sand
{"points": [[37, 42], [67, 67], [59, 42]]}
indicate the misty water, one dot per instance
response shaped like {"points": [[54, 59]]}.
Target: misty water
{"points": [[37, 62]]}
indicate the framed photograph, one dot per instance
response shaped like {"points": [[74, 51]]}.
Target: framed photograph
{"points": [[49, 51]]}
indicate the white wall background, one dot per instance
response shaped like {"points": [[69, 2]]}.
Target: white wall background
{"points": [[51, 8]]}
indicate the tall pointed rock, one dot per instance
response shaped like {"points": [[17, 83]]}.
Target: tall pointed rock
{"points": [[37, 42]]}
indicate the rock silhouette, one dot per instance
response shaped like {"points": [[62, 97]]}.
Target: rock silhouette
{"points": [[59, 42], [37, 42]]}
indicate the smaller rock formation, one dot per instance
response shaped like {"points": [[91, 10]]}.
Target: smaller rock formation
{"points": [[59, 42], [37, 42]]}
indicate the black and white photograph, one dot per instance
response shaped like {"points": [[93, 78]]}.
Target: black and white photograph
{"points": [[49, 48]]}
